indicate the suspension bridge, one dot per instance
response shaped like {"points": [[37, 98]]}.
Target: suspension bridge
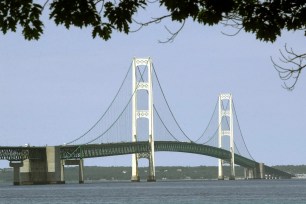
{"points": [[139, 124]]}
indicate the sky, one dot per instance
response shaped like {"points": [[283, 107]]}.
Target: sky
{"points": [[54, 89]]}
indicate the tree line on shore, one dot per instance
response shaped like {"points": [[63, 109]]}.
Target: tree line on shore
{"points": [[98, 173]]}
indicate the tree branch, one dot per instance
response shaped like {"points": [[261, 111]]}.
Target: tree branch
{"points": [[43, 7], [232, 21], [293, 64], [154, 20], [173, 34]]}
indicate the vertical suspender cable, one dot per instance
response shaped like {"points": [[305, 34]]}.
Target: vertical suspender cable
{"points": [[105, 110], [169, 106]]}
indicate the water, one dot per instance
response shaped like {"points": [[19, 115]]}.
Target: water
{"points": [[176, 192]]}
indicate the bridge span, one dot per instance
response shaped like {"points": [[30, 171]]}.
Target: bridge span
{"points": [[130, 125], [43, 165]]}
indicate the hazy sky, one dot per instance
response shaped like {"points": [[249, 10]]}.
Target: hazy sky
{"points": [[54, 89]]}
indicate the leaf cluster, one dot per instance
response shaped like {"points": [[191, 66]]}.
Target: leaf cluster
{"points": [[80, 13], [269, 18], [265, 18], [24, 13]]}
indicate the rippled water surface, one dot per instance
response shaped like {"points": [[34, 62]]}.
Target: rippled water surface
{"points": [[212, 192]]}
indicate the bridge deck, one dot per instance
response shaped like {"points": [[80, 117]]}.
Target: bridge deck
{"points": [[101, 150], [112, 149]]}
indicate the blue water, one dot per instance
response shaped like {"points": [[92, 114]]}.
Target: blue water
{"points": [[212, 192]]}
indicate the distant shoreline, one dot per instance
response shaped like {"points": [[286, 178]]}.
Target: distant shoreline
{"points": [[163, 173]]}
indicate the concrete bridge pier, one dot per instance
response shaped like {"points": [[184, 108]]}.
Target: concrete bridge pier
{"points": [[62, 173], [81, 171], [261, 170], [220, 170], [16, 166], [249, 173], [43, 167], [80, 163], [151, 176], [252, 173], [232, 172], [246, 173], [135, 174]]}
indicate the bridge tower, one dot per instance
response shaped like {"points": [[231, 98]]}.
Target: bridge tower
{"points": [[143, 81], [226, 112]]}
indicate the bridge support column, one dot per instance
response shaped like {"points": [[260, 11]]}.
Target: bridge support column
{"points": [[220, 170], [151, 176], [232, 166], [252, 173], [54, 169], [62, 166], [261, 171], [249, 173], [16, 166], [246, 173], [135, 174], [141, 82], [43, 167], [81, 171], [80, 163]]}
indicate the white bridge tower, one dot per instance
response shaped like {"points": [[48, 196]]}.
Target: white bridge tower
{"points": [[226, 112], [142, 82]]}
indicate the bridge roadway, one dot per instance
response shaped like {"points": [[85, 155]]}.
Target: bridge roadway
{"points": [[70, 152]]}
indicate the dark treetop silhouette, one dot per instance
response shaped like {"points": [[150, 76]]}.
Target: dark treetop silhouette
{"points": [[266, 19]]}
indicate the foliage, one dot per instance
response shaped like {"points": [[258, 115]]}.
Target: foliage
{"points": [[24, 13], [264, 18]]}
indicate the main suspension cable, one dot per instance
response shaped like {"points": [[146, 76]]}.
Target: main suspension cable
{"points": [[169, 106], [241, 132], [208, 123], [165, 124], [142, 79], [101, 135], [112, 102]]}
